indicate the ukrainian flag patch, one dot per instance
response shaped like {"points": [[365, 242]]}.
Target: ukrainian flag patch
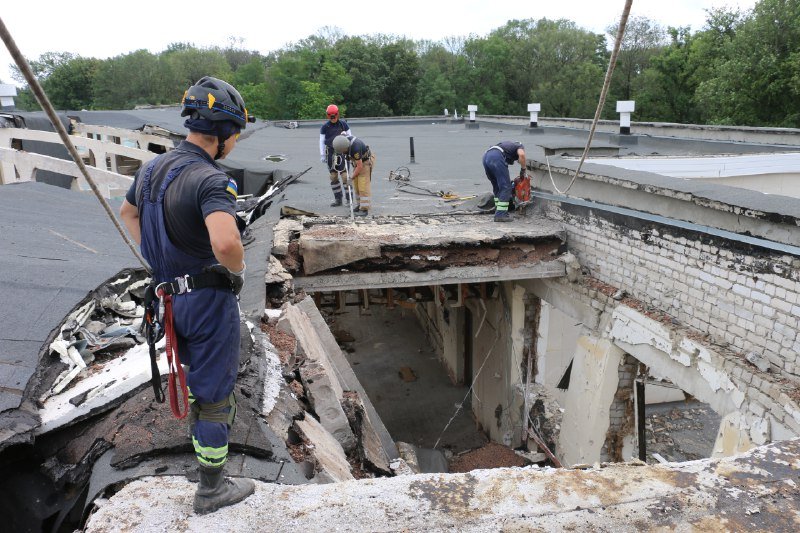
{"points": [[233, 188]]}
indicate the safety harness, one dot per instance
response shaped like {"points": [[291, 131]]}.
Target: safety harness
{"points": [[158, 322]]}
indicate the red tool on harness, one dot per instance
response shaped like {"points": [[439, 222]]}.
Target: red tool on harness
{"points": [[175, 370]]}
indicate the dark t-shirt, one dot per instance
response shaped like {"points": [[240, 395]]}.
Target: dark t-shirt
{"points": [[359, 151], [509, 149], [200, 189], [330, 130]]}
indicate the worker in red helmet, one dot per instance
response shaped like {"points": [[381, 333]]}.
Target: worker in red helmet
{"points": [[334, 127]]}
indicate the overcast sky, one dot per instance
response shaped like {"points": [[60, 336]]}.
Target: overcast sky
{"points": [[103, 29]]}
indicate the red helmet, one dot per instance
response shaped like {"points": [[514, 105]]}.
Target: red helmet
{"points": [[332, 110]]}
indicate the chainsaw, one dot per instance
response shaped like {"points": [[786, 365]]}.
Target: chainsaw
{"points": [[522, 191]]}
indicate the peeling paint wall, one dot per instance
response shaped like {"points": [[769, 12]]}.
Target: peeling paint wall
{"points": [[558, 338], [500, 335], [692, 307], [595, 380], [444, 325], [494, 402], [746, 299]]}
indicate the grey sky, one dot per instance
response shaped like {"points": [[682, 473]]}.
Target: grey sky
{"points": [[92, 28]]}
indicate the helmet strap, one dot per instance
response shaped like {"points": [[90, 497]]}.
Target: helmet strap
{"points": [[220, 147]]}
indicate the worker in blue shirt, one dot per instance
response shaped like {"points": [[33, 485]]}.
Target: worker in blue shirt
{"points": [[496, 161], [181, 210], [334, 127]]}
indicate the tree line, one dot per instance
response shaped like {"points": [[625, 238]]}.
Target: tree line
{"points": [[740, 68]]}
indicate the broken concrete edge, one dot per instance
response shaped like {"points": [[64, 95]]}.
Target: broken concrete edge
{"points": [[324, 376], [46, 374], [279, 468], [346, 377], [327, 451], [321, 255], [686, 496], [252, 299], [320, 382]]}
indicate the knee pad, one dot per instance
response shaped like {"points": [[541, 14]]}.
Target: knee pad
{"points": [[222, 412]]}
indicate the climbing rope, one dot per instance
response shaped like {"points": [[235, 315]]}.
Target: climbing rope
{"points": [[606, 83], [176, 375], [45, 104], [402, 177], [478, 373], [400, 174]]}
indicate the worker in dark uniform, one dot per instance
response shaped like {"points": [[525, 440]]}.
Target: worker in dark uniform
{"points": [[496, 161], [327, 133], [362, 160], [181, 209]]}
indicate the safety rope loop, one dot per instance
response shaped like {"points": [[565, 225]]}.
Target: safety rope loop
{"points": [[174, 368]]}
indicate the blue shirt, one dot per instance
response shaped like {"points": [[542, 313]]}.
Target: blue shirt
{"points": [[201, 189], [331, 130], [509, 149]]}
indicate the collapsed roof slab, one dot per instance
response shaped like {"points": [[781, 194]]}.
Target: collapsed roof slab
{"points": [[338, 254], [753, 491], [57, 246]]}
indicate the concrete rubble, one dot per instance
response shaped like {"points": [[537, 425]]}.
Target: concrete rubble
{"points": [[324, 389], [304, 416], [755, 491]]}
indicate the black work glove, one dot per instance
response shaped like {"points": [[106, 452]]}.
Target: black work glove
{"points": [[236, 278]]}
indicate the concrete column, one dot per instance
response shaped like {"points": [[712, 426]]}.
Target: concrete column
{"points": [[593, 383]]}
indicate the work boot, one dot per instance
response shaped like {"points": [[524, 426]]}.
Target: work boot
{"points": [[360, 213], [337, 201], [215, 490], [502, 216]]}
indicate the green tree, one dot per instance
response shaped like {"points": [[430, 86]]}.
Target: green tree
{"points": [[313, 99], [402, 65], [643, 39], [256, 99], [189, 65], [25, 101], [666, 88], [251, 73], [363, 62], [128, 80], [435, 93], [70, 85], [43, 66], [755, 84]]}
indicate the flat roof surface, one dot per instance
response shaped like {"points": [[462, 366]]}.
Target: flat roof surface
{"points": [[57, 246], [709, 167]]}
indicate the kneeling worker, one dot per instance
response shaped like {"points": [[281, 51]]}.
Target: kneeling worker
{"points": [[181, 210], [362, 160], [496, 161]]}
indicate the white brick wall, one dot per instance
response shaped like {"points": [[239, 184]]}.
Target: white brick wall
{"points": [[749, 302]]}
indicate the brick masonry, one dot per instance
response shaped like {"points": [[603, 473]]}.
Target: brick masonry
{"points": [[621, 413], [735, 298]]}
